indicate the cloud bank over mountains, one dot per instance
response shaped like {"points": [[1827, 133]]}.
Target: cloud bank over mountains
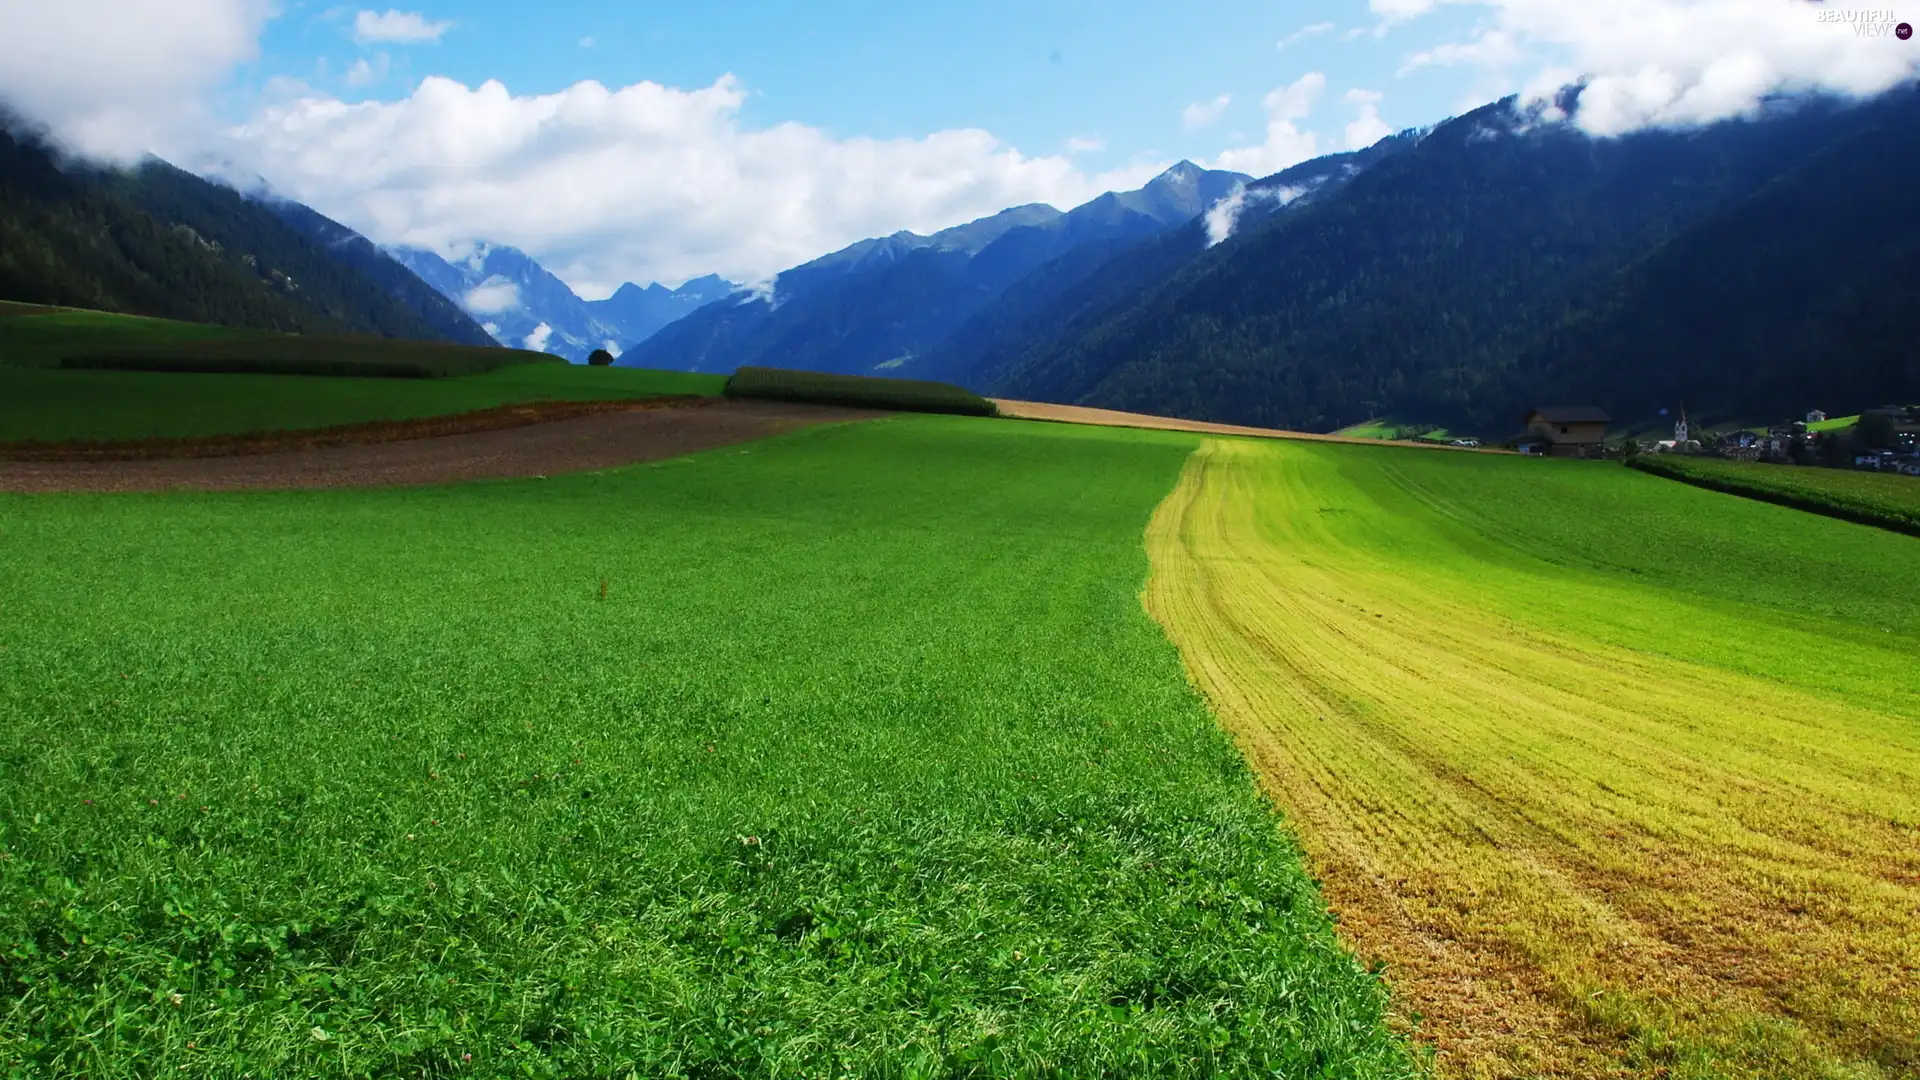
{"points": [[1664, 62], [652, 182], [643, 182]]}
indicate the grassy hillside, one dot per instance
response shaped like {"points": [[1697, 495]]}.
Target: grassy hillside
{"points": [[1388, 429], [1617, 776], [55, 405], [40, 337], [846, 753], [1888, 500]]}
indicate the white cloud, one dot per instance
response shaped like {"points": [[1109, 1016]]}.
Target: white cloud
{"points": [[1493, 48], [1668, 62], [1302, 34], [537, 341], [363, 73], [492, 296], [1222, 216], [1285, 143], [398, 27], [1201, 113], [1399, 11], [586, 42], [1086, 144], [114, 77], [642, 183], [1367, 128]]}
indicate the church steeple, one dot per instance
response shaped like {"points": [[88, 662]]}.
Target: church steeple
{"points": [[1680, 427]]}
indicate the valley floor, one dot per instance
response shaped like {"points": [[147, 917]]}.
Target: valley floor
{"points": [[1614, 775], [847, 752]]}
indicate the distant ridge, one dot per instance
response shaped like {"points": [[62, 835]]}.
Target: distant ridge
{"points": [[874, 306], [523, 305]]}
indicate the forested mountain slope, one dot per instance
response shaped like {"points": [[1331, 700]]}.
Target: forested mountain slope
{"points": [[159, 241], [1432, 284]]}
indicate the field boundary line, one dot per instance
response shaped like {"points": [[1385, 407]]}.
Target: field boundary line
{"points": [[1778, 498]]}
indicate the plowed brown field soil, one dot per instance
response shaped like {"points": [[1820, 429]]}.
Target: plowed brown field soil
{"points": [[602, 439]]}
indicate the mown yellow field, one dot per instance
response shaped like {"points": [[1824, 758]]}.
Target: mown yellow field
{"points": [[1615, 778]]}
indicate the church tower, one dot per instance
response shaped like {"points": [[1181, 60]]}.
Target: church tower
{"points": [[1680, 427]]}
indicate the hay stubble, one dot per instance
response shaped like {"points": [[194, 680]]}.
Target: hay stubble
{"points": [[1581, 842]]}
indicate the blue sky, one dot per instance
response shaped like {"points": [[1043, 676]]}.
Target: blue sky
{"points": [[1035, 74]]}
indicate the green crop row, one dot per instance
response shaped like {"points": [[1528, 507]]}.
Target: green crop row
{"points": [[1886, 500], [901, 395]]}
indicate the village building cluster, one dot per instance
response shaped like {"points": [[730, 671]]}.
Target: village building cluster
{"points": [[1884, 439]]}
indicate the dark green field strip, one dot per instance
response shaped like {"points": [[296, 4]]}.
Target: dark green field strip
{"points": [[55, 405], [44, 338], [850, 752], [309, 355], [1868, 498], [96, 339], [859, 391]]}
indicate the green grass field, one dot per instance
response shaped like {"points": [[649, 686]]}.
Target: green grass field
{"points": [[1888, 500], [31, 337], [1616, 775], [1391, 430], [846, 753], [54, 405], [101, 340], [42, 401]]}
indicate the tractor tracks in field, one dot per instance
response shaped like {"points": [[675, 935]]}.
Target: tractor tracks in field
{"points": [[1573, 857]]}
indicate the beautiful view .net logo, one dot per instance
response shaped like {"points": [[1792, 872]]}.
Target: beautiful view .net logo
{"points": [[1868, 22]]}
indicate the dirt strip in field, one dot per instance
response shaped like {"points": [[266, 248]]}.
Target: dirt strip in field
{"points": [[599, 440], [1080, 414], [372, 431]]}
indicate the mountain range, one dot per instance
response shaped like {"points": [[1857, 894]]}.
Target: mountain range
{"points": [[1756, 267], [1456, 275], [524, 306], [877, 305], [157, 240]]}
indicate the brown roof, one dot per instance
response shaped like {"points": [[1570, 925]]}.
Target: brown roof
{"points": [[1570, 414]]}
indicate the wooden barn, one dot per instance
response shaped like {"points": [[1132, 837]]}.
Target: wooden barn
{"points": [[1567, 430]]}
